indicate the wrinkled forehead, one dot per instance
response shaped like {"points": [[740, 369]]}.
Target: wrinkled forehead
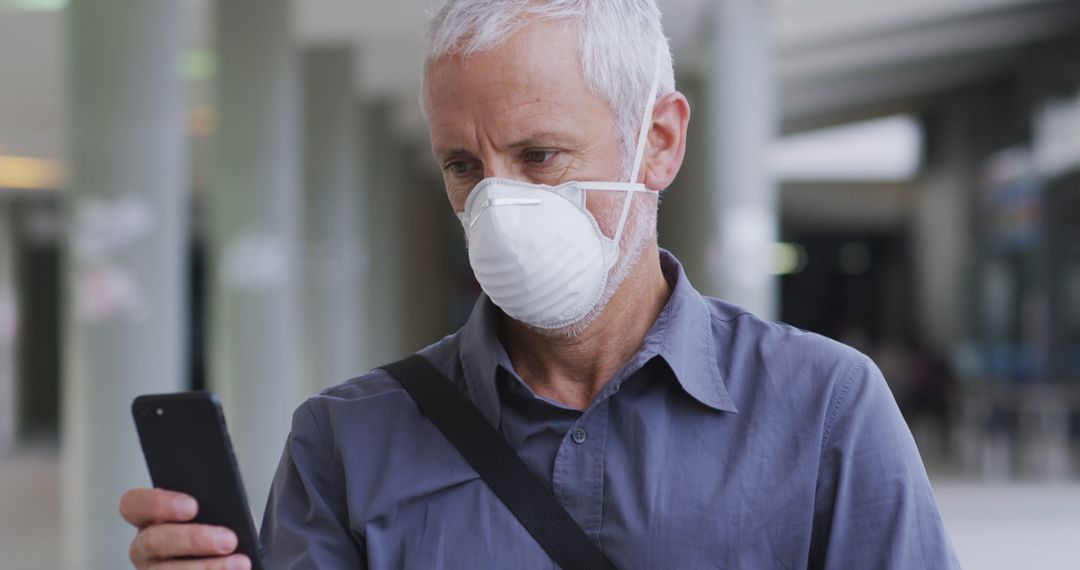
{"points": [[538, 58], [533, 77]]}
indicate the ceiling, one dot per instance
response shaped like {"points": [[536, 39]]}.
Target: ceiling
{"points": [[832, 55]]}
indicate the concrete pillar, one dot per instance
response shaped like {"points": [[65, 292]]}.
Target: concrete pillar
{"points": [[388, 200], [124, 258], [9, 327], [741, 118], [255, 215], [335, 294], [941, 229]]}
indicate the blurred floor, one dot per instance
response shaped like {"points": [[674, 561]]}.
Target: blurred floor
{"points": [[1012, 525], [994, 525], [29, 509]]}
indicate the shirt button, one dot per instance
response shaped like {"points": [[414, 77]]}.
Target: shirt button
{"points": [[579, 435]]}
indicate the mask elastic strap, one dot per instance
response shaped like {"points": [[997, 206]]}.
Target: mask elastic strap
{"points": [[639, 154], [598, 186]]}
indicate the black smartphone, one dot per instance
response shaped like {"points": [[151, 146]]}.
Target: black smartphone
{"points": [[187, 449]]}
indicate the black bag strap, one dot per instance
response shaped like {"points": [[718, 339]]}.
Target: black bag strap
{"points": [[498, 465]]}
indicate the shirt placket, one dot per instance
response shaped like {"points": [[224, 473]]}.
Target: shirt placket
{"points": [[578, 477]]}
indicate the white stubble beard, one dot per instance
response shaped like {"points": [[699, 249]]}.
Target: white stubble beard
{"points": [[640, 230]]}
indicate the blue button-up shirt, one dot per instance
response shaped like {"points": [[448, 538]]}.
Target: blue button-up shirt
{"points": [[745, 444]]}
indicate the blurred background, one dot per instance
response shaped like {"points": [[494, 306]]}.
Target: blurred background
{"points": [[238, 196]]}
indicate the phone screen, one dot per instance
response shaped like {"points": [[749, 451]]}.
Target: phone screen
{"points": [[187, 449]]}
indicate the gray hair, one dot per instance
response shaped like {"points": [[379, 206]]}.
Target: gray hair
{"points": [[619, 43]]}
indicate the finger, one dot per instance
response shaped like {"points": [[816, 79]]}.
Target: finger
{"points": [[142, 507], [234, 562], [170, 540]]}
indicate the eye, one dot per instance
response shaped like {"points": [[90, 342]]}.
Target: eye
{"points": [[539, 156], [458, 166]]}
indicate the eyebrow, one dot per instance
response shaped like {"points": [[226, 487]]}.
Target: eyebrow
{"points": [[541, 139], [538, 139], [451, 153]]}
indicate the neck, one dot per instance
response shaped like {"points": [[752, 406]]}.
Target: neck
{"points": [[573, 370]]}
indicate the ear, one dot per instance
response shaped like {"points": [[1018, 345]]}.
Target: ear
{"points": [[666, 145]]}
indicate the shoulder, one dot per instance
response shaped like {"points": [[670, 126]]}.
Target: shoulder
{"points": [[744, 337], [376, 398], [368, 430], [780, 368]]}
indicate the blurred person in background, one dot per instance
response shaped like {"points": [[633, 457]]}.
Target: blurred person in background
{"points": [[679, 431]]}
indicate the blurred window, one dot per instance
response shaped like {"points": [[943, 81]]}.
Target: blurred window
{"points": [[888, 149]]}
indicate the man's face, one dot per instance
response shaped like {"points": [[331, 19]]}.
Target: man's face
{"points": [[522, 111]]}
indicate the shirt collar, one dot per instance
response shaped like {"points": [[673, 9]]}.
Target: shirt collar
{"points": [[682, 335]]}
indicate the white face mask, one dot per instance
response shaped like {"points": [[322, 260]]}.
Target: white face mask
{"points": [[536, 250]]}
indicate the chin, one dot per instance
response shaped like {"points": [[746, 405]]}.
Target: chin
{"points": [[616, 278], [641, 234]]}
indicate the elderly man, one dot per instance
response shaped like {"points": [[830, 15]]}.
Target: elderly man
{"points": [[677, 431]]}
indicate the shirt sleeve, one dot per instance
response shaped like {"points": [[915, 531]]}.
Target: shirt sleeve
{"points": [[874, 507], [306, 520]]}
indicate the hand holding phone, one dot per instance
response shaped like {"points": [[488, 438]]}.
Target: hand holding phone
{"points": [[156, 512], [187, 450]]}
